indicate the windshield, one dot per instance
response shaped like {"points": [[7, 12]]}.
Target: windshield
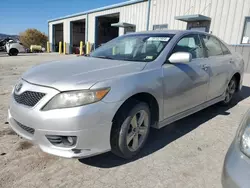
{"points": [[145, 47]]}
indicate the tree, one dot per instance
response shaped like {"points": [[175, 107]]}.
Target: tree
{"points": [[33, 37]]}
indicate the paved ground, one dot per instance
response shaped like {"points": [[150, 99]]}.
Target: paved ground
{"points": [[188, 153]]}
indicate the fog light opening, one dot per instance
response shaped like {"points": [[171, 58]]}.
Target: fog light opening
{"points": [[69, 140], [62, 141]]}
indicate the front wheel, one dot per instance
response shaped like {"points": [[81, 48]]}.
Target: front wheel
{"points": [[130, 129], [230, 92], [13, 52]]}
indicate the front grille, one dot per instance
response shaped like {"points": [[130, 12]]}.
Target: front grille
{"points": [[29, 98], [27, 129]]}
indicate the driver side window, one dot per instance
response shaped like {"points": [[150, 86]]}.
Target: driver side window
{"points": [[190, 44]]}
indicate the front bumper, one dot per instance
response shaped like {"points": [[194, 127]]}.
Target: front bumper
{"points": [[91, 124], [236, 169]]}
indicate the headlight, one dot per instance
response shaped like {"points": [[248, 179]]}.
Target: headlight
{"points": [[75, 98], [244, 135]]}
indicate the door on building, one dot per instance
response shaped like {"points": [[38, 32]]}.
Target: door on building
{"points": [[196, 22], [199, 26], [191, 81], [57, 36], [104, 30], [199, 29], [77, 34]]}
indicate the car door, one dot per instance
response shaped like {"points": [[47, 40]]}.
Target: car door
{"points": [[185, 84], [219, 61]]}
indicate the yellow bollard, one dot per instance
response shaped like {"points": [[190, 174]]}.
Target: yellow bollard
{"points": [[64, 48], [48, 47], [88, 48], [81, 46], [60, 47]]}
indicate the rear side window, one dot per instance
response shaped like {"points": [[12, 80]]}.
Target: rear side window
{"points": [[190, 44], [225, 49], [212, 45]]}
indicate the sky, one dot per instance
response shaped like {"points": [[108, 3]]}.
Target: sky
{"points": [[18, 15]]}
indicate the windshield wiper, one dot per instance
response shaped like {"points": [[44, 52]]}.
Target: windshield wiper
{"points": [[103, 57]]}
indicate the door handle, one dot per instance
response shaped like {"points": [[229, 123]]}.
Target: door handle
{"points": [[231, 61], [205, 67]]}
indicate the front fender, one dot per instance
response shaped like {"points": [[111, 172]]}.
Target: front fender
{"points": [[123, 87]]}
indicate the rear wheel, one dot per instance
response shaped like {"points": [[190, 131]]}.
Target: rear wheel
{"points": [[230, 91], [13, 52], [130, 129]]}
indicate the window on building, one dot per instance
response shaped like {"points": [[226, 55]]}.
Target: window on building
{"points": [[190, 44], [213, 46], [160, 27], [246, 32]]}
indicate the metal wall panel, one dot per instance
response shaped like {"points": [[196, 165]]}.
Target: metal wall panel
{"points": [[244, 51], [227, 15]]}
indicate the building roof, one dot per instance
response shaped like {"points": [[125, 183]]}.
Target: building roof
{"points": [[99, 9]]}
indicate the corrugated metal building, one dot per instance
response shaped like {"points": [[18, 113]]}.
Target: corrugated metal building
{"points": [[227, 19]]}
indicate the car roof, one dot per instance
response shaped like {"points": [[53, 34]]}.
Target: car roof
{"points": [[173, 32]]}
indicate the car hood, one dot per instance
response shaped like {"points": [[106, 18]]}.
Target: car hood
{"points": [[79, 73]]}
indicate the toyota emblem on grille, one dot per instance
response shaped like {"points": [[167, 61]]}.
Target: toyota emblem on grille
{"points": [[18, 87]]}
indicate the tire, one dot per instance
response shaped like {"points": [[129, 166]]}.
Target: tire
{"points": [[13, 52], [127, 139], [230, 92]]}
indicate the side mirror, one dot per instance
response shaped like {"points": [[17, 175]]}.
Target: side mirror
{"points": [[180, 57]]}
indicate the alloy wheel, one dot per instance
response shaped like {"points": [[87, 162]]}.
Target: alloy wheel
{"points": [[138, 130], [231, 88]]}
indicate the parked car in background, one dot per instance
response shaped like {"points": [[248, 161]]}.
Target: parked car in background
{"points": [[3, 43], [236, 169], [13, 48], [109, 100]]}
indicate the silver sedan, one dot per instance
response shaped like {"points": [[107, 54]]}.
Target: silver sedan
{"points": [[109, 100], [236, 170]]}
